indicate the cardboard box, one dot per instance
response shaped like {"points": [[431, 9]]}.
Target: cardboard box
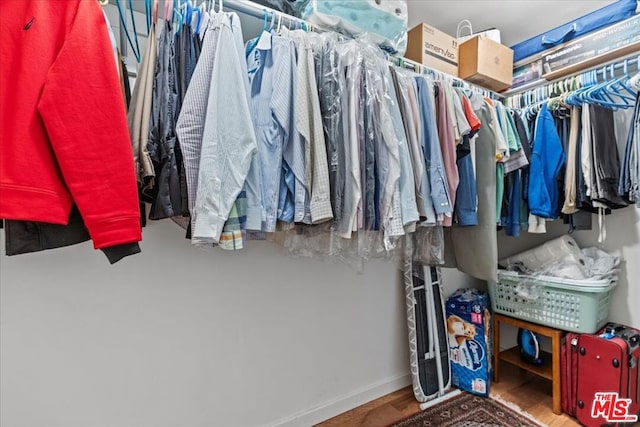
{"points": [[486, 63], [469, 338], [433, 48]]}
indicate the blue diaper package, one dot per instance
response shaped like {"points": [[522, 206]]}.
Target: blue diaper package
{"points": [[469, 338]]}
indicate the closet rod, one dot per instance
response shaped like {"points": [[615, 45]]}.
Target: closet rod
{"points": [[403, 62], [633, 65], [599, 74], [258, 11]]}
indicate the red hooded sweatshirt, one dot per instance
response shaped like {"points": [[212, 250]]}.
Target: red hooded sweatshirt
{"points": [[63, 126]]}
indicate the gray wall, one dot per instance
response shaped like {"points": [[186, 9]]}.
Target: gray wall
{"points": [[178, 336]]}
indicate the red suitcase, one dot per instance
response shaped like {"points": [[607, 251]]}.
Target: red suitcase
{"points": [[608, 385], [569, 373]]}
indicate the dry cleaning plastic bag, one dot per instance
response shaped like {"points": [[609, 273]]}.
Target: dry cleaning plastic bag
{"points": [[286, 6], [385, 21]]}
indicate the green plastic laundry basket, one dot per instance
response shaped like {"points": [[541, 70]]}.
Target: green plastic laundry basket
{"points": [[571, 305]]}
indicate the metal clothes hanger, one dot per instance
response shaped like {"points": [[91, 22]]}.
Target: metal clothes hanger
{"points": [[123, 22]]}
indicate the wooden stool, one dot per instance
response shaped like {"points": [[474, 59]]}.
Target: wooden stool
{"points": [[550, 371]]}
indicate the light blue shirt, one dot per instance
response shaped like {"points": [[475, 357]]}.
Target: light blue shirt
{"points": [[228, 142], [425, 185], [271, 72], [292, 197], [432, 150]]}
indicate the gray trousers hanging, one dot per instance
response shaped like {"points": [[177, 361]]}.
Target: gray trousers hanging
{"points": [[474, 250]]}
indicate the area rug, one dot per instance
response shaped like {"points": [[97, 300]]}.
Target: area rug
{"points": [[468, 410]]}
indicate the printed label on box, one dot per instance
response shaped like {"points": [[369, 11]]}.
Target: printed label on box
{"points": [[442, 54]]}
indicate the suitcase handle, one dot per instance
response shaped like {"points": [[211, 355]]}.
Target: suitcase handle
{"points": [[613, 328]]}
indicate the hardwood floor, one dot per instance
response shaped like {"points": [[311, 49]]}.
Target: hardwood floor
{"points": [[531, 393]]}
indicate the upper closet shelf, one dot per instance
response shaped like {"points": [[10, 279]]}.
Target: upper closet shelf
{"points": [[259, 11]]}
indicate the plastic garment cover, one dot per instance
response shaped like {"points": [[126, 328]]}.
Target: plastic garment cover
{"points": [[347, 111], [537, 259], [352, 68], [387, 145], [562, 258], [361, 144], [286, 6], [362, 119], [331, 85], [385, 21], [599, 264], [427, 246], [308, 119]]}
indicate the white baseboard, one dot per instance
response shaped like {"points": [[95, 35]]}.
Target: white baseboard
{"points": [[343, 403]]}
